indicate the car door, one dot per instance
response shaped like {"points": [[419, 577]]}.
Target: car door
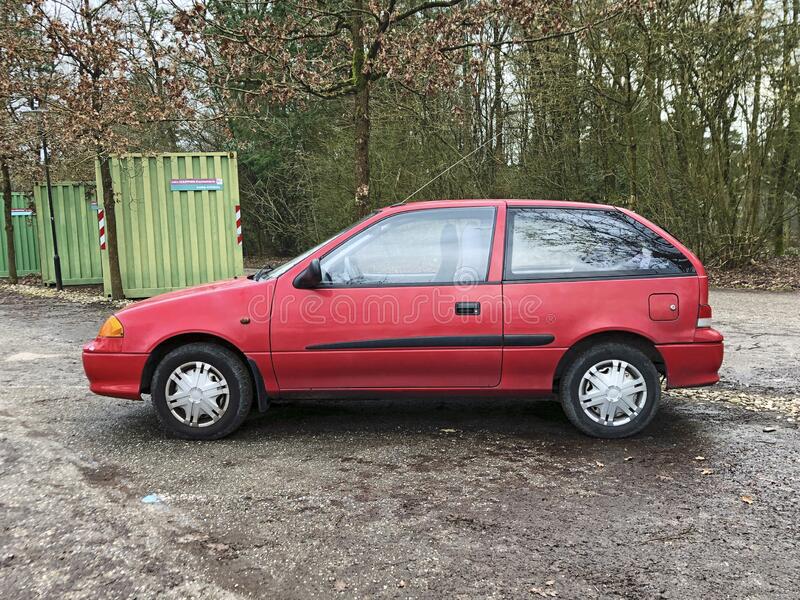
{"points": [[412, 299], [573, 272]]}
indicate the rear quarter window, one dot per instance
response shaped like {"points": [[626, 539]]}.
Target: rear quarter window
{"points": [[556, 243]]}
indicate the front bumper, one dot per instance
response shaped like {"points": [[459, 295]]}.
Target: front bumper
{"points": [[692, 365], [114, 374]]}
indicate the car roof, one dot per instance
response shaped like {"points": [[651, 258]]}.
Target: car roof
{"points": [[494, 202]]}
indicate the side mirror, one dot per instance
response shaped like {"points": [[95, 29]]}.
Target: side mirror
{"points": [[310, 277]]}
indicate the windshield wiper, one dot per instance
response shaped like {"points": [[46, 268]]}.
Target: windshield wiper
{"points": [[261, 272]]}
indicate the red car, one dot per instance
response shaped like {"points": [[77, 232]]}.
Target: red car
{"points": [[470, 297]]}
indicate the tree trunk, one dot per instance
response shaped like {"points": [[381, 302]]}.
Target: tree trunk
{"points": [[10, 251], [109, 207], [753, 130], [633, 144], [101, 154], [786, 137], [779, 218], [497, 113], [576, 188], [633, 166], [360, 114], [362, 126]]}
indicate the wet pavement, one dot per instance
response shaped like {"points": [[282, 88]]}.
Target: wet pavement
{"points": [[423, 498]]}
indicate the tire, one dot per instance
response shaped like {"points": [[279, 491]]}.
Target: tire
{"points": [[609, 412], [197, 419]]}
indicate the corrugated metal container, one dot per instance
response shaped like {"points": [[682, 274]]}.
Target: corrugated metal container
{"points": [[76, 229], [177, 220], [26, 243]]}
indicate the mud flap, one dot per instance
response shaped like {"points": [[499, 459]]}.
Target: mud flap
{"points": [[261, 390]]}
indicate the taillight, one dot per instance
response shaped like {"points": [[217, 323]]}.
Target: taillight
{"points": [[704, 316]]}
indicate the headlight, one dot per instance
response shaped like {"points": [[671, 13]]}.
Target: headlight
{"points": [[112, 328]]}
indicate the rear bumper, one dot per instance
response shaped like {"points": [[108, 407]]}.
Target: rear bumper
{"points": [[692, 365], [114, 374]]}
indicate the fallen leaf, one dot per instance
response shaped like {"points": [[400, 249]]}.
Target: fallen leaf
{"points": [[747, 499]]}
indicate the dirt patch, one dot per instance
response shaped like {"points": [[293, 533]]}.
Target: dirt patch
{"points": [[86, 294], [762, 339], [104, 475], [788, 407], [780, 274]]}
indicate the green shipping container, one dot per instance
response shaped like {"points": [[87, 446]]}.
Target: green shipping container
{"points": [[177, 219], [75, 210], [26, 243]]}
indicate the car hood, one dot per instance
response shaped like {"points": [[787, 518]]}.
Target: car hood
{"points": [[190, 292]]}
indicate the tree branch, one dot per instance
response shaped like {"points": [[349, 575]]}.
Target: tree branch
{"points": [[544, 38], [426, 6]]}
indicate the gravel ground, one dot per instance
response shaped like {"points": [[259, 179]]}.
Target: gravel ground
{"points": [[762, 338], [455, 498]]}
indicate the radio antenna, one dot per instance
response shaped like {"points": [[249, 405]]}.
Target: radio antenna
{"points": [[455, 164]]}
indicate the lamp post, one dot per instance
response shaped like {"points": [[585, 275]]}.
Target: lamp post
{"points": [[46, 163]]}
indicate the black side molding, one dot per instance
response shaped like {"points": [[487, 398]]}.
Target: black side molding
{"points": [[456, 341], [449, 341], [535, 339]]}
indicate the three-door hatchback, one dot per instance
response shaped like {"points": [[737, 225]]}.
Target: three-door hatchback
{"points": [[471, 297]]}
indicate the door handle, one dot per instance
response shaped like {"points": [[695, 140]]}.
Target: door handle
{"points": [[468, 308]]}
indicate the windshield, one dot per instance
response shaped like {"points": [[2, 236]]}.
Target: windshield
{"points": [[277, 272], [273, 273]]}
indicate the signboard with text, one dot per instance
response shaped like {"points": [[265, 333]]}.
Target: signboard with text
{"points": [[194, 185]]}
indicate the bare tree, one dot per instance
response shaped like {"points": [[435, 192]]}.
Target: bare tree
{"points": [[330, 50], [20, 52], [101, 94]]}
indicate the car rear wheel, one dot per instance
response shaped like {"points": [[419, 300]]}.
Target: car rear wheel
{"points": [[611, 390], [201, 391]]}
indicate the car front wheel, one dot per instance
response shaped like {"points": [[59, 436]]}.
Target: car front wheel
{"points": [[610, 391], [201, 391]]}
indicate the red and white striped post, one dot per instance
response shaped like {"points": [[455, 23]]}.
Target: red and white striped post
{"points": [[238, 224], [101, 222]]}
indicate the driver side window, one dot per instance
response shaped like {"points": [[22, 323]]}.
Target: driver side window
{"points": [[443, 245]]}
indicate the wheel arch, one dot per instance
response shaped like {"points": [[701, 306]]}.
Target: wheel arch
{"points": [[629, 338], [166, 346]]}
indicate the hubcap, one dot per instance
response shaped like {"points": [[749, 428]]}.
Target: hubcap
{"points": [[197, 394], [612, 392]]}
